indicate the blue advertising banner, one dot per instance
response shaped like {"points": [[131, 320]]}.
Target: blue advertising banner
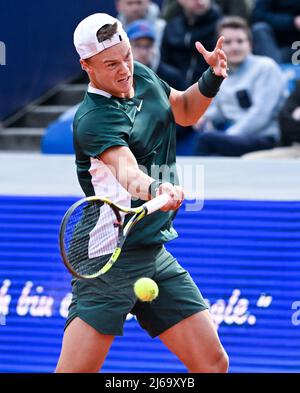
{"points": [[243, 255]]}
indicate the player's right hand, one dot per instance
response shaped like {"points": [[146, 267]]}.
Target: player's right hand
{"points": [[176, 194]]}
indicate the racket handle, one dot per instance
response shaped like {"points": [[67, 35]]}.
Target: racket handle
{"points": [[156, 203]]}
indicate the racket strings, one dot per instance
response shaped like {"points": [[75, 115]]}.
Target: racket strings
{"points": [[91, 235]]}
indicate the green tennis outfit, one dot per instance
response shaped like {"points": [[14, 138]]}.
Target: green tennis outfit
{"points": [[146, 125]]}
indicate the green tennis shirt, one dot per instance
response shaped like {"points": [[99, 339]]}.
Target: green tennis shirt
{"points": [[145, 124]]}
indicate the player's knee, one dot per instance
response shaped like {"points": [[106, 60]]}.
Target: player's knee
{"points": [[222, 363], [217, 364]]}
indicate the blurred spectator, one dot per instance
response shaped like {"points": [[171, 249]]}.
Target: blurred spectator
{"points": [[196, 23], [289, 120], [142, 39], [243, 8], [131, 10], [276, 27], [244, 114], [170, 9]]}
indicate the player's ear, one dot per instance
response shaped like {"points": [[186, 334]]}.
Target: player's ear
{"points": [[84, 65]]}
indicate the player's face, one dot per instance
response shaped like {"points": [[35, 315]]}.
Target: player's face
{"points": [[236, 45], [133, 9], [112, 70]]}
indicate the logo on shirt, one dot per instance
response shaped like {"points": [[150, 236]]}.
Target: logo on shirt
{"points": [[138, 108]]}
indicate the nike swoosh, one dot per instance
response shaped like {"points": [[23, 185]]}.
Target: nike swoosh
{"points": [[138, 108]]}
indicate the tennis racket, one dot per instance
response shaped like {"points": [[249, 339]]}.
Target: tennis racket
{"points": [[92, 233]]}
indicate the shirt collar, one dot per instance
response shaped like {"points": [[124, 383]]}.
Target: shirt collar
{"points": [[94, 90]]}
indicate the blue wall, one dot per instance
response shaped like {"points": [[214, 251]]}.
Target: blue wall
{"points": [[39, 49], [243, 255]]}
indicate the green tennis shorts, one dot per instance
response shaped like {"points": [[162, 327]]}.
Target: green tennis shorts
{"points": [[104, 302]]}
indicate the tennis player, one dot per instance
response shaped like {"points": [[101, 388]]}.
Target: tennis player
{"points": [[127, 120]]}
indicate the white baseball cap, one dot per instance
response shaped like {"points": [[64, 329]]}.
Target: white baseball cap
{"points": [[85, 35]]}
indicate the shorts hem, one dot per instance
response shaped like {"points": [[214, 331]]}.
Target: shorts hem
{"points": [[173, 323], [101, 331]]}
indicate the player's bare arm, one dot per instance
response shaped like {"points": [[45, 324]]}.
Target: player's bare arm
{"points": [[134, 180], [189, 105]]}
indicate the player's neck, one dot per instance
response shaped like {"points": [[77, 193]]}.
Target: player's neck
{"points": [[126, 95]]}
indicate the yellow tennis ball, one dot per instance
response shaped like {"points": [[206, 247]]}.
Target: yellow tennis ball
{"points": [[146, 289]]}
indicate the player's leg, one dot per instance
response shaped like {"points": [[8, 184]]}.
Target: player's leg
{"points": [[96, 315], [84, 349], [195, 342], [180, 317]]}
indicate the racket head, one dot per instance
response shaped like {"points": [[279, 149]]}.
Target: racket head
{"points": [[90, 235]]}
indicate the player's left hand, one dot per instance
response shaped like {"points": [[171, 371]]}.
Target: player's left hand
{"points": [[216, 59]]}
